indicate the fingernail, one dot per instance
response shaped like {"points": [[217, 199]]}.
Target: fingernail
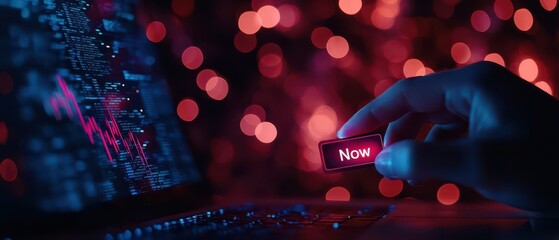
{"points": [[341, 133], [385, 141], [383, 163]]}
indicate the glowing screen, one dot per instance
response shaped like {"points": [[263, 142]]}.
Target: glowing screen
{"points": [[92, 119]]}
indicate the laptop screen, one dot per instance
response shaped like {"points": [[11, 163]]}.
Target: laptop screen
{"points": [[85, 118]]}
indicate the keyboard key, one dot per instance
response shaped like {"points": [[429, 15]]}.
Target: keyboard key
{"points": [[259, 221]]}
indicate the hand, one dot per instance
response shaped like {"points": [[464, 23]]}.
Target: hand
{"points": [[493, 131]]}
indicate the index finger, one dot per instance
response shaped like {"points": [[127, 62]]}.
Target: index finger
{"points": [[431, 93]]}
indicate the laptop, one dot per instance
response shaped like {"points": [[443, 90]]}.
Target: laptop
{"points": [[91, 147]]}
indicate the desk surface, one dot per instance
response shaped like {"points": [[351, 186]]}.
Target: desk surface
{"points": [[428, 220]]}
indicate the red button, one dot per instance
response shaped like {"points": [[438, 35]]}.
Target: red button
{"points": [[348, 153]]}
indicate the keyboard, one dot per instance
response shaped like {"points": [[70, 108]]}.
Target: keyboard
{"points": [[296, 221]]}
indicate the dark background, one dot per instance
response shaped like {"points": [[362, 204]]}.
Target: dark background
{"points": [[314, 94]]}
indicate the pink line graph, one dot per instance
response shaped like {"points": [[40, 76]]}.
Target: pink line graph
{"points": [[110, 134]]}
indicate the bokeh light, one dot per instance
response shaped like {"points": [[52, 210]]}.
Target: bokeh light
{"points": [[249, 22], [339, 194], [413, 68], [182, 8], [548, 5], [290, 15], [528, 69], [269, 16], [3, 132], [271, 65], [6, 83], [270, 60], [395, 50], [390, 188], [390, 8], [187, 110], [156, 31], [245, 43], [349, 63], [8, 170], [323, 123], [381, 21], [503, 9], [203, 77], [270, 48], [523, 19], [309, 160], [256, 110], [217, 88], [337, 47], [320, 36], [248, 124], [496, 58], [545, 87], [192, 57], [460, 52], [429, 71], [350, 7], [480, 21], [266, 132], [448, 194]]}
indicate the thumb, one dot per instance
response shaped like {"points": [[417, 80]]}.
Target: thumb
{"points": [[417, 161]]}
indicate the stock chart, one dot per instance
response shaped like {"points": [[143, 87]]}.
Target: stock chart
{"points": [[93, 118]]}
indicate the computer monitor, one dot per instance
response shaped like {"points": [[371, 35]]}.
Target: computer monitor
{"points": [[85, 118]]}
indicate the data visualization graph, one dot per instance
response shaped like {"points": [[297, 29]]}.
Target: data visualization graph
{"points": [[110, 135], [94, 118]]}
